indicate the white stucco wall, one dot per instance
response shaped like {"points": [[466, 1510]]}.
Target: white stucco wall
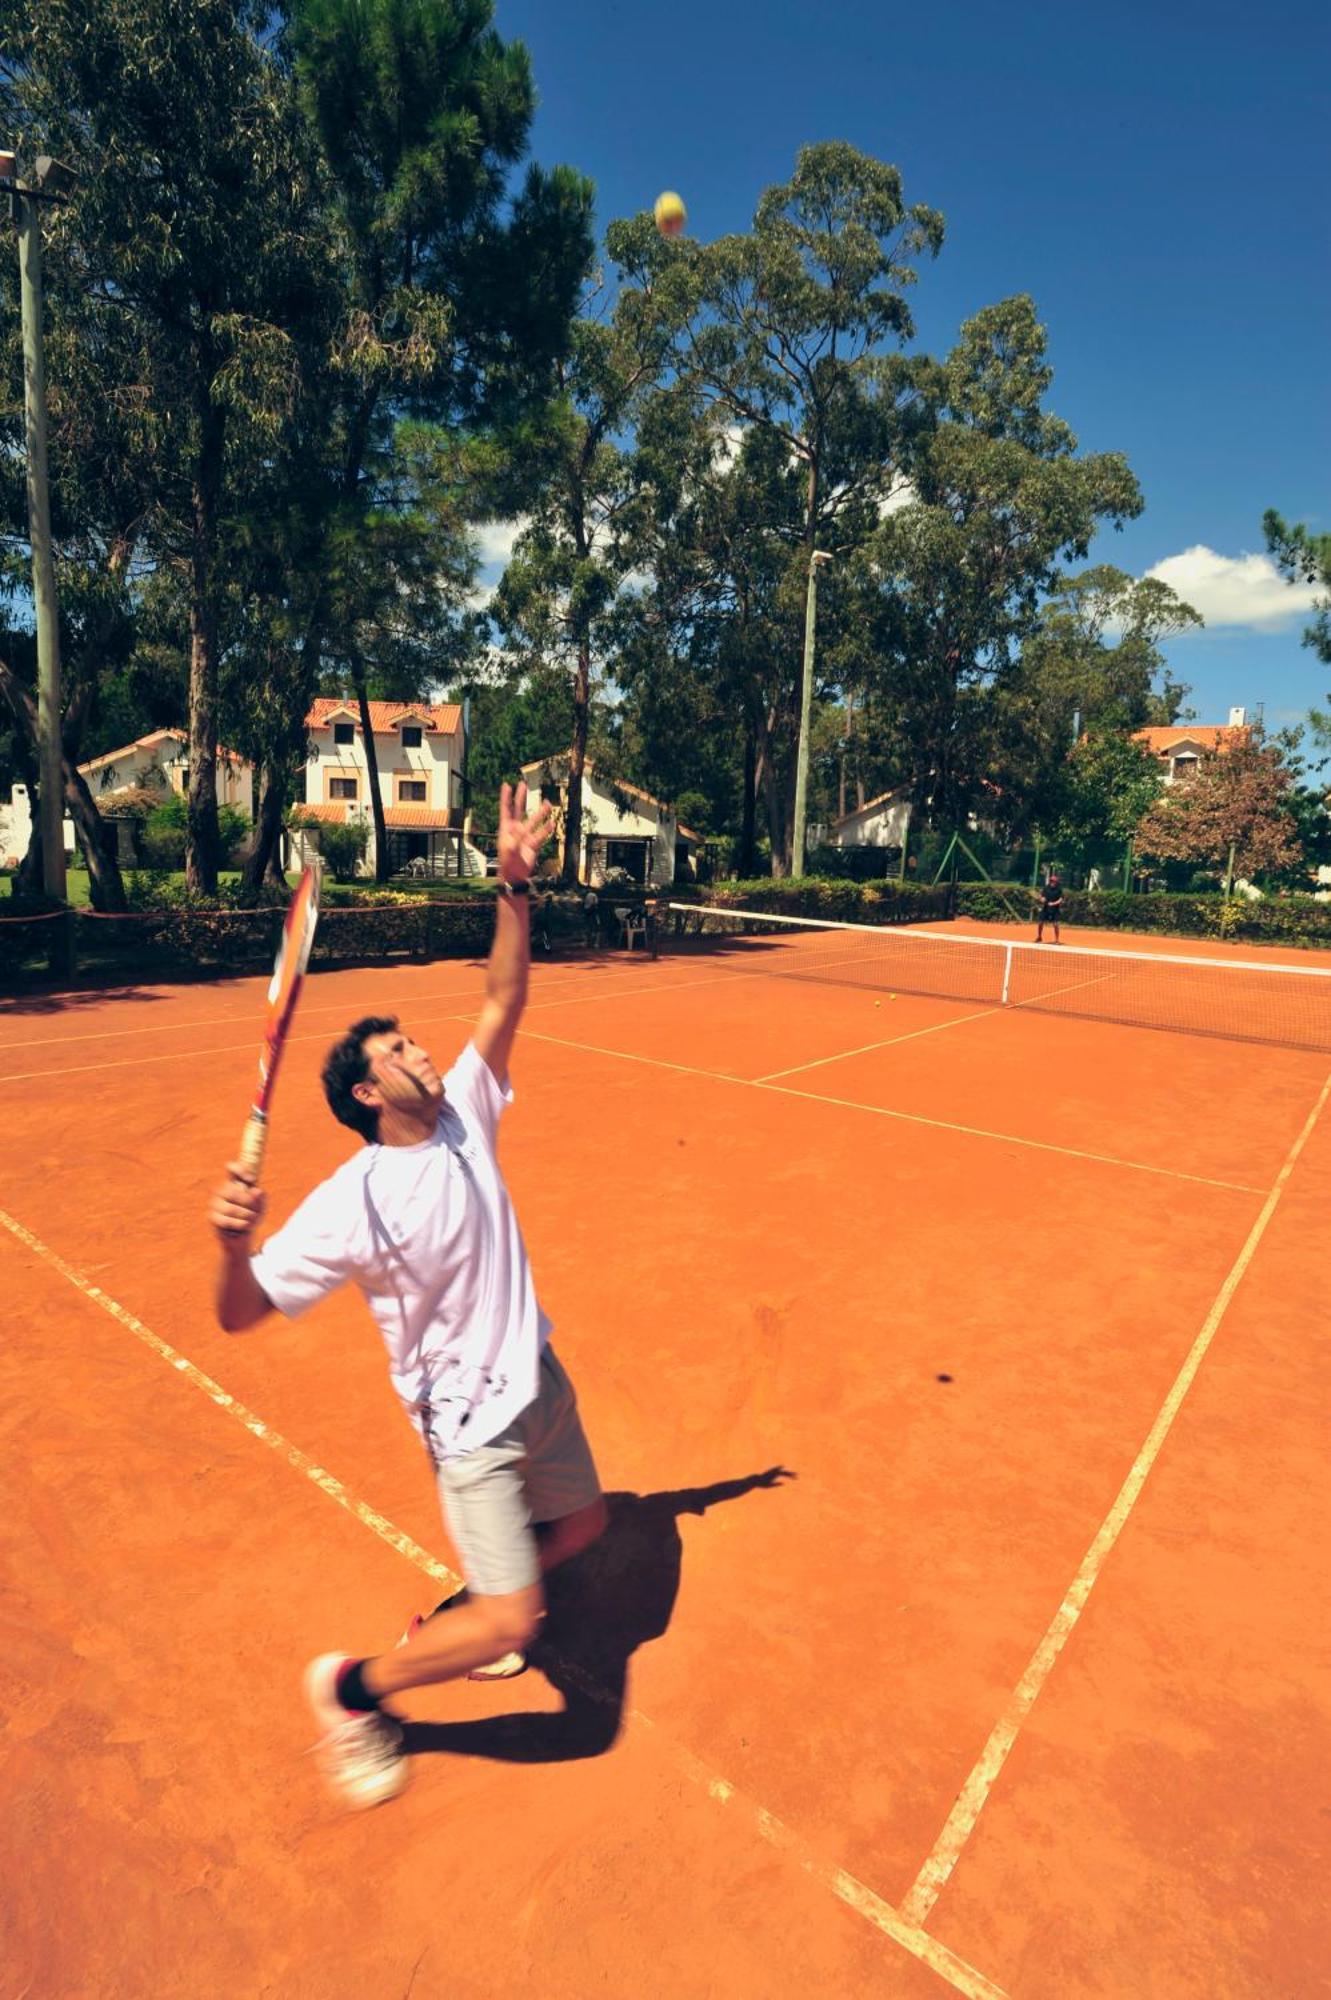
{"points": [[435, 760], [882, 825], [642, 819], [16, 828]]}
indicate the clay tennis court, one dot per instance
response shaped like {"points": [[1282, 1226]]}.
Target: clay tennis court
{"points": [[957, 1374]]}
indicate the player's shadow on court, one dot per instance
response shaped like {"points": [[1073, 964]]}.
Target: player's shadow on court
{"points": [[601, 1607]]}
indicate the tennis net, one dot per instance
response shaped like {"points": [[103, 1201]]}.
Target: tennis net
{"points": [[1287, 1005]]}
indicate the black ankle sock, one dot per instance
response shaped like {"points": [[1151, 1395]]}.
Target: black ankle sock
{"points": [[351, 1689]]}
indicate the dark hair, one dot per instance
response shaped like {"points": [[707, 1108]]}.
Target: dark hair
{"points": [[346, 1065]]}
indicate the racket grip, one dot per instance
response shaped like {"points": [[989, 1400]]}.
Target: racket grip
{"points": [[252, 1142]]}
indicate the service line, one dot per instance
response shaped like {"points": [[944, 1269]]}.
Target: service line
{"points": [[856, 1895]]}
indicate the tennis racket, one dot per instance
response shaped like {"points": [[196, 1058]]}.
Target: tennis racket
{"points": [[293, 955]]}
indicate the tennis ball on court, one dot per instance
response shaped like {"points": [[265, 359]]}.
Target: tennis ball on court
{"points": [[670, 213]]}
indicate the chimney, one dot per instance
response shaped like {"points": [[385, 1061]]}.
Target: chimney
{"points": [[1238, 718]]}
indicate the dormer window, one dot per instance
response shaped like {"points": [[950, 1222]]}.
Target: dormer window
{"points": [[411, 736], [344, 732]]}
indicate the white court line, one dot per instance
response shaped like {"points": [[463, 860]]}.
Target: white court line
{"points": [[344, 1005], [903, 1117], [855, 1894], [219, 1020], [959, 1021], [368, 1517], [843, 1055], [683, 1069], [960, 1823], [417, 1020]]}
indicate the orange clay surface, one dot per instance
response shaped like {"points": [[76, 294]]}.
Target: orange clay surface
{"points": [[1012, 1687]]}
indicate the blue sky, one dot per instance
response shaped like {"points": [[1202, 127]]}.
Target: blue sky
{"points": [[1154, 176]]}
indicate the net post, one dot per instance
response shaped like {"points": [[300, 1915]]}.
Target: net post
{"points": [[1007, 975]]}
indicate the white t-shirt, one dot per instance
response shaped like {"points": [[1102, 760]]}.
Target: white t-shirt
{"points": [[429, 1234]]}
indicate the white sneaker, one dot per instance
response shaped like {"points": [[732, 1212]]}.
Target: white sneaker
{"points": [[360, 1753]]}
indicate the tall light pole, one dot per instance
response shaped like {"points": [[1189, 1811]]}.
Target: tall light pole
{"points": [[816, 558], [51, 181]]}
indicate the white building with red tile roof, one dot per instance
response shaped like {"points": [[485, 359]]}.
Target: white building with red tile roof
{"points": [[623, 827], [1183, 746], [125, 785], [418, 748], [160, 762]]}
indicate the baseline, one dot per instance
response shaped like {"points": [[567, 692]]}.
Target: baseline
{"points": [[856, 1895]]}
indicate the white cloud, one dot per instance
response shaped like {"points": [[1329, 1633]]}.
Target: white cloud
{"points": [[494, 545], [1234, 590]]}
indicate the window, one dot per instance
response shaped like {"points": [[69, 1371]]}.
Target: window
{"points": [[343, 788], [411, 791], [411, 736], [344, 732]]}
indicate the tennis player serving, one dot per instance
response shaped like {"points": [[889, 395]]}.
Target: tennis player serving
{"points": [[421, 1220]]}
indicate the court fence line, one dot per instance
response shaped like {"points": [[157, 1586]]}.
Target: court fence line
{"points": [[69, 944]]}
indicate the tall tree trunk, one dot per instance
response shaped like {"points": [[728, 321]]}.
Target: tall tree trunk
{"points": [[201, 837], [265, 856], [104, 878], [773, 794], [582, 684], [287, 751], [30, 880], [785, 809], [381, 867], [748, 832]]}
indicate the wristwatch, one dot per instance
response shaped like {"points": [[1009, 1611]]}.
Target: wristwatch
{"points": [[515, 888]]}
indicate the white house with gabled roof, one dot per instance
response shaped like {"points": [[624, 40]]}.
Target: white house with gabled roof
{"points": [[623, 827], [880, 822]]}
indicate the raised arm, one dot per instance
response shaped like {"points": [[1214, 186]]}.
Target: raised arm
{"points": [[521, 838]]}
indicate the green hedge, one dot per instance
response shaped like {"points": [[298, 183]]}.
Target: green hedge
{"points": [[846, 902], [1289, 920], [222, 943]]}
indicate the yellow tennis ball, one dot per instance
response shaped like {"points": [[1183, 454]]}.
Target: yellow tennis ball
{"points": [[671, 214]]}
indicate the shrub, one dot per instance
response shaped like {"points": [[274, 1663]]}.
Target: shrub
{"points": [[343, 847], [855, 864], [885, 902], [1289, 920], [161, 842]]}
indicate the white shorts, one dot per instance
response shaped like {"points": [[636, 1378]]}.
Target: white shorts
{"points": [[539, 1469]]}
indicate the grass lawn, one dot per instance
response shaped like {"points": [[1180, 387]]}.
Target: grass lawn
{"points": [[78, 893]]}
